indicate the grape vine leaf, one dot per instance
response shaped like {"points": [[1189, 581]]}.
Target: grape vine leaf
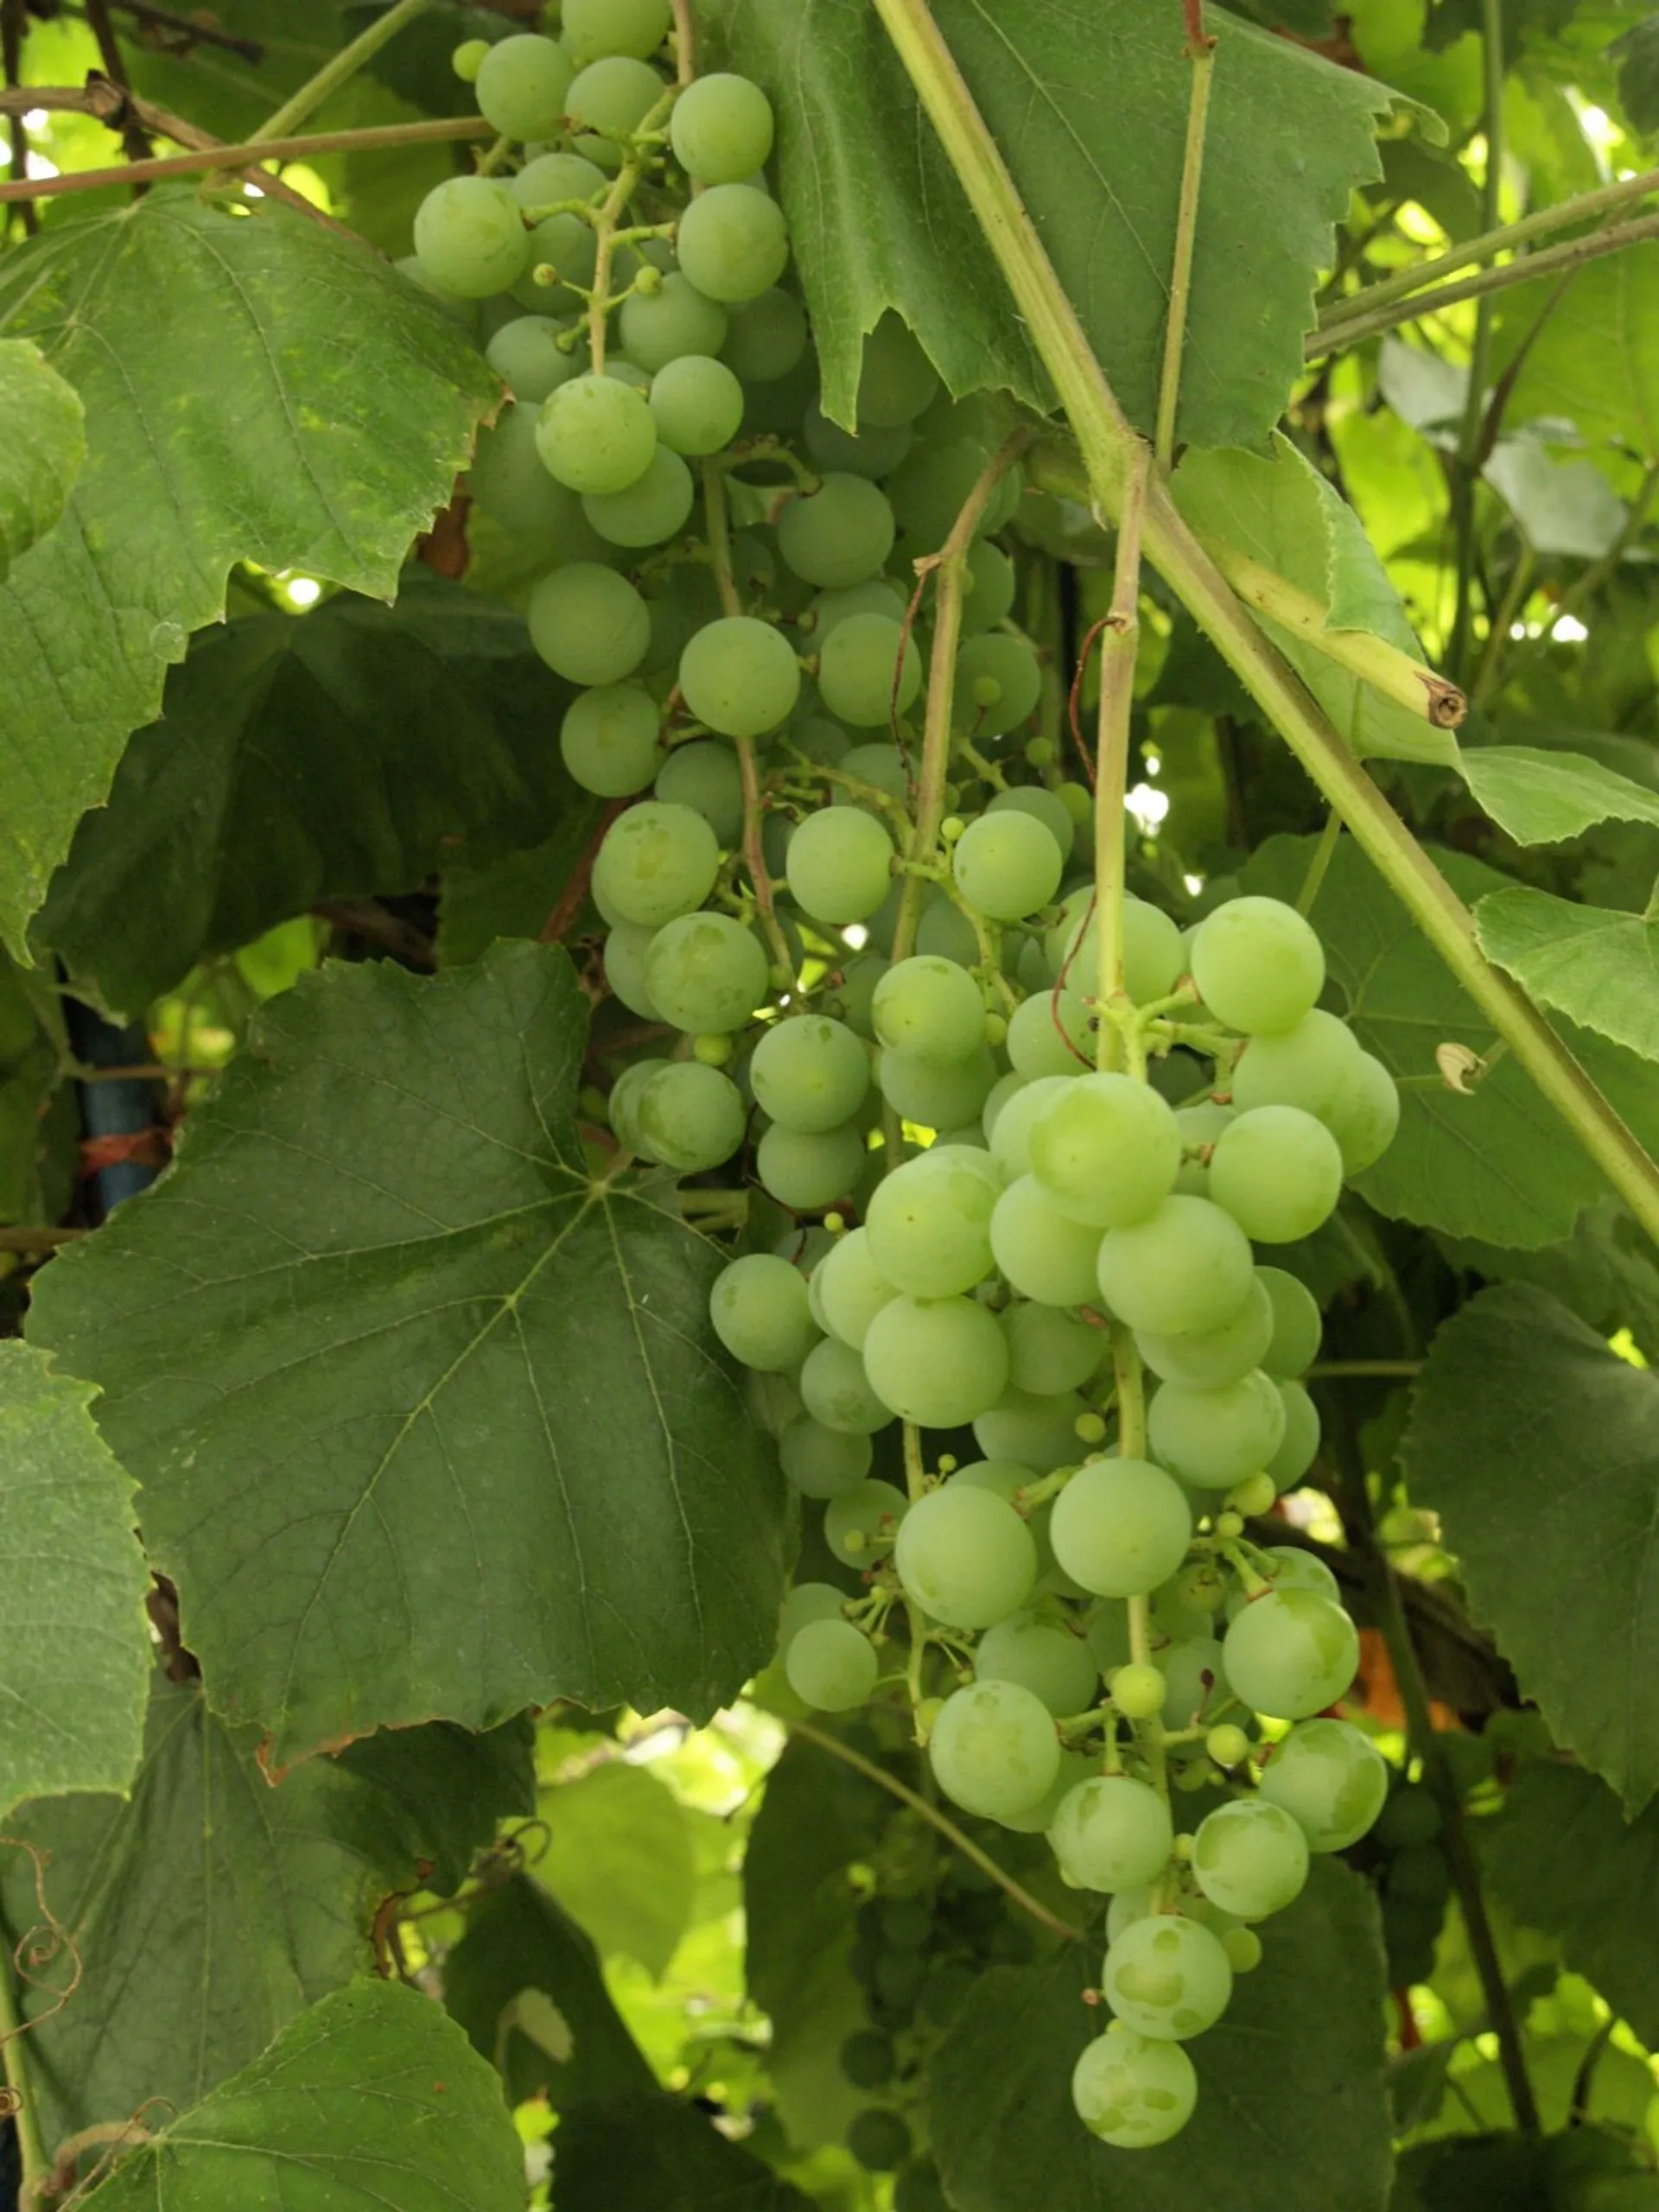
{"points": [[347, 753], [208, 1908], [1562, 1856], [1595, 361], [622, 2140], [42, 445], [368, 2099], [1493, 1163], [1561, 1567], [1067, 98], [1597, 965], [818, 1817], [39, 1127], [1294, 2066], [356, 398], [520, 1938], [1607, 1271], [74, 1640], [619, 1859], [1541, 797], [1637, 55], [513, 896], [419, 1411], [1282, 512]]}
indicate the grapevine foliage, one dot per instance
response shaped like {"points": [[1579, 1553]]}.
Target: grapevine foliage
{"points": [[828, 1065]]}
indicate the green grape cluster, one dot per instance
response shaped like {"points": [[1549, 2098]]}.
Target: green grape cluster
{"points": [[1027, 1355]]}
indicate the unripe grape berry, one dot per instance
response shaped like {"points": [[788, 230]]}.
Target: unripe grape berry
{"points": [[1228, 1745], [713, 1050], [1243, 1948], [1255, 1495], [1138, 1691], [469, 58], [1229, 1525]]}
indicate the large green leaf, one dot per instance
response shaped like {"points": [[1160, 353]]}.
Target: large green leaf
{"points": [[622, 2141], [1496, 1162], [1562, 1856], [42, 444], [427, 1422], [209, 1909], [1595, 359], [518, 1939], [74, 1641], [355, 398], [1607, 1271], [619, 1859], [1091, 117], [40, 1127], [1290, 2083], [1539, 1448], [351, 751], [1599, 967], [1283, 513], [1546, 797], [371, 2099], [817, 1818]]}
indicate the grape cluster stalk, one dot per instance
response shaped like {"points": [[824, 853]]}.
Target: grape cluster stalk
{"points": [[1028, 1377]]}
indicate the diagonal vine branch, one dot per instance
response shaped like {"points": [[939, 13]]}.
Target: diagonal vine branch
{"points": [[1106, 439]]}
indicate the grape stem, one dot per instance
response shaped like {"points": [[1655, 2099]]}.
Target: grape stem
{"points": [[685, 43], [1201, 52], [755, 858], [600, 302], [1409, 683], [935, 1819], [338, 69], [915, 1485], [1107, 441], [1132, 1444], [1120, 643], [949, 568], [248, 155], [37, 2165]]}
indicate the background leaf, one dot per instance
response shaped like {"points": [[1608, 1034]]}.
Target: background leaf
{"points": [[622, 2140], [1283, 513], [1541, 798], [74, 1641], [208, 1908], [1598, 967], [1562, 1856], [619, 1859], [371, 2099], [1595, 361], [1540, 1450], [1294, 2068], [42, 444], [419, 1411], [1090, 114], [356, 401], [817, 1818], [344, 754]]}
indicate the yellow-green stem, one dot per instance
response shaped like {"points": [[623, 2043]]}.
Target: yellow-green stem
{"points": [[1409, 683], [1486, 245], [616, 199], [1119, 644], [718, 525], [1187, 230], [340, 69], [1107, 440], [32, 2153], [949, 567]]}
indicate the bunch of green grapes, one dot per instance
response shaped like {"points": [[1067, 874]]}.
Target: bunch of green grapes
{"points": [[1027, 1370]]}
